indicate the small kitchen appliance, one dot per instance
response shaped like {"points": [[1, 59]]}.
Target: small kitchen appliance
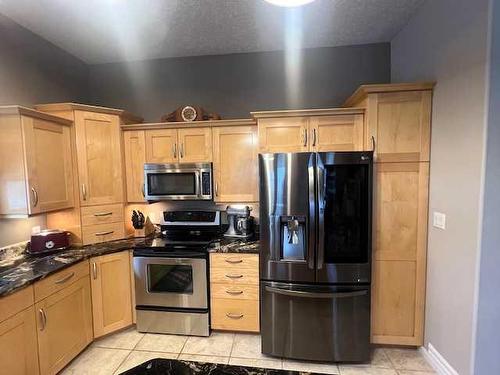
{"points": [[240, 221], [49, 240]]}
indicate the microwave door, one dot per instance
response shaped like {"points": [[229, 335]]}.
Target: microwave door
{"points": [[172, 185], [344, 194], [287, 215]]}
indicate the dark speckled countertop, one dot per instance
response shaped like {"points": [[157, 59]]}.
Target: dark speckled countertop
{"points": [[26, 269]]}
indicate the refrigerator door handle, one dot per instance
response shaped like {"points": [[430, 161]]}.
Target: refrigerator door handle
{"points": [[321, 195], [297, 293], [311, 239]]}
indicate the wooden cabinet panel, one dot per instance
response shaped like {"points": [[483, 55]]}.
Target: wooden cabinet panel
{"points": [[49, 165], [399, 252], [284, 134], [399, 123], [18, 344], [60, 280], [235, 315], [135, 157], [111, 292], [235, 164], [336, 133], [99, 158], [64, 325], [15, 302], [110, 213], [102, 232], [195, 145], [161, 146]]}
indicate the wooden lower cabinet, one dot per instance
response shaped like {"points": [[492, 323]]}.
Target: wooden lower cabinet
{"points": [[64, 325], [111, 292], [234, 292], [18, 344], [399, 252]]}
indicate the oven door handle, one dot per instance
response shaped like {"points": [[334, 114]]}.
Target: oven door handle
{"points": [[187, 255]]}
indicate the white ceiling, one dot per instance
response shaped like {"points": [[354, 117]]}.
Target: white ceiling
{"points": [[99, 31]]}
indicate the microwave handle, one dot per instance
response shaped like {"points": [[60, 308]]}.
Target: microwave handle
{"points": [[198, 183]]}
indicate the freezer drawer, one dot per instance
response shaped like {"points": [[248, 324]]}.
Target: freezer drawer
{"points": [[322, 323]]}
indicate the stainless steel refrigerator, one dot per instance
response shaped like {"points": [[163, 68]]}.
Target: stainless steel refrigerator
{"points": [[315, 255]]}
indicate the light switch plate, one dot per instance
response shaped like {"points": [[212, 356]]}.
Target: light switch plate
{"points": [[439, 220]]}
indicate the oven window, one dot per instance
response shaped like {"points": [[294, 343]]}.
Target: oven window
{"points": [[164, 278], [171, 184]]}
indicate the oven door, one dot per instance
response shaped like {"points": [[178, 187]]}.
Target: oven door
{"points": [[171, 282]]}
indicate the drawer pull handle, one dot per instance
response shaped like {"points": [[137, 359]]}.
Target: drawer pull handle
{"points": [[65, 278], [104, 233], [234, 292], [234, 261], [234, 276], [234, 316], [43, 319], [99, 214]]}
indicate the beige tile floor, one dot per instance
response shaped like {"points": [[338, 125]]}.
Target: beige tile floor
{"points": [[121, 351]]}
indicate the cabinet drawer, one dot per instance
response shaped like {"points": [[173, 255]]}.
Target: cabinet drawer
{"points": [[15, 302], [229, 314], [60, 280], [109, 213], [234, 261], [235, 292], [236, 276], [103, 232]]}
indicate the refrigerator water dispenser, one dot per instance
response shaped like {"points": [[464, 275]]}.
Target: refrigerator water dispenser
{"points": [[293, 239]]}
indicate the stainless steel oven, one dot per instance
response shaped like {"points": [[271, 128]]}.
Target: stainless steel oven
{"points": [[171, 282], [189, 181]]}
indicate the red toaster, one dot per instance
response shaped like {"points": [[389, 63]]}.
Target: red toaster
{"points": [[49, 240]]}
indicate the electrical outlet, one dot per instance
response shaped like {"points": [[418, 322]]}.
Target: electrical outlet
{"points": [[439, 220], [35, 230]]}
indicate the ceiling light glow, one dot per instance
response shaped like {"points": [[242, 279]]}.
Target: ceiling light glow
{"points": [[289, 3]]}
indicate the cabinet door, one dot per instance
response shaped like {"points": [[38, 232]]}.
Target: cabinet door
{"points": [[161, 146], [99, 158], [399, 253], [235, 164], [18, 346], [284, 134], [111, 293], [400, 124], [336, 133], [49, 165], [195, 145], [135, 157], [64, 325]]}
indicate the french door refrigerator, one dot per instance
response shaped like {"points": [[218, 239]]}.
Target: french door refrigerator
{"points": [[315, 255]]}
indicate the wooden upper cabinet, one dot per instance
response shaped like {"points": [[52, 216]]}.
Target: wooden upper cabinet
{"points": [[99, 158], [37, 174], [161, 146], [235, 164], [64, 325], [315, 130], [336, 133], [135, 157], [399, 252], [283, 134], [111, 292], [398, 120], [195, 145]]}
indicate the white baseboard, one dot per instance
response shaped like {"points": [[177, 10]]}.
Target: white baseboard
{"points": [[437, 361]]}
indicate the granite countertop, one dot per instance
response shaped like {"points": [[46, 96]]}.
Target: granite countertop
{"points": [[25, 269], [159, 366]]}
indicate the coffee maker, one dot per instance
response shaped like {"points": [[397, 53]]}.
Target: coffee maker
{"points": [[240, 221]]}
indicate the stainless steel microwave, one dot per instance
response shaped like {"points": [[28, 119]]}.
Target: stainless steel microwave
{"points": [[178, 181]]}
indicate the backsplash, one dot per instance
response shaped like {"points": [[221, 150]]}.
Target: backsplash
{"points": [[13, 231]]}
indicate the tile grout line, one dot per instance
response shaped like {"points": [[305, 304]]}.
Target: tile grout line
{"points": [[183, 346], [232, 346], [122, 362]]}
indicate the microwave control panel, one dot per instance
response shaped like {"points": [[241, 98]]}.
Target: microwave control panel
{"points": [[205, 183]]}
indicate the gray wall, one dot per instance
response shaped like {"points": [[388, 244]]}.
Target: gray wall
{"points": [[487, 359], [33, 70], [233, 85], [446, 41]]}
